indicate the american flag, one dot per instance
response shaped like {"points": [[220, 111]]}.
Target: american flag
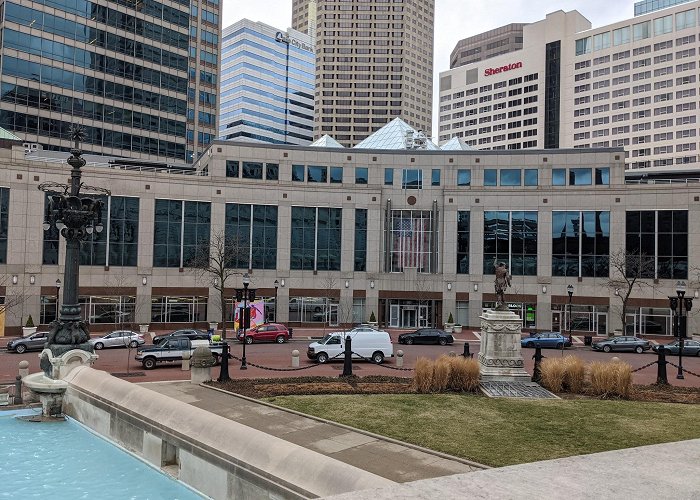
{"points": [[411, 243]]}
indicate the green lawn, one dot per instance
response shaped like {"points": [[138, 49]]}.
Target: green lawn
{"points": [[501, 432]]}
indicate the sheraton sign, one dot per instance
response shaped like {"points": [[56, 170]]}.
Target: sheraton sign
{"points": [[501, 69]]}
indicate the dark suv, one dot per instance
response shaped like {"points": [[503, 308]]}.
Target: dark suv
{"points": [[190, 333]]}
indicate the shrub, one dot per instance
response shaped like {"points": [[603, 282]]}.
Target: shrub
{"points": [[450, 319], [372, 318], [216, 338], [611, 379], [553, 373], [464, 374], [30, 322], [441, 374], [574, 374], [423, 378]]}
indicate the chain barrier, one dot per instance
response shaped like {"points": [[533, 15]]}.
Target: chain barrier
{"points": [[382, 365], [686, 371], [645, 366], [231, 356]]}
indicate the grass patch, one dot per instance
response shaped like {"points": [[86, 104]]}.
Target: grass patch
{"points": [[500, 432]]}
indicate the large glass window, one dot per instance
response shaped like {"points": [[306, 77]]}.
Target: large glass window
{"points": [[490, 177], [272, 171], [181, 232], [410, 241], [189, 309], [464, 177], [360, 239], [298, 173], [4, 221], [316, 238], [685, 19], [358, 310], [112, 309], [621, 35], [48, 309], [641, 31], [531, 177], [336, 175], [316, 173], [602, 176], [663, 25], [361, 175], [411, 179], [583, 46], [252, 170], [232, 168], [662, 236], [601, 41], [511, 237], [581, 244], [310, 309], [51, 240], [251, 236], [463, 242], [510, 177], [117, 245], [580, 177]]}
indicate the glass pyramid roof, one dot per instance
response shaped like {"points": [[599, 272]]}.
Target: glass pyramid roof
{"points": [[456, 144], [397, 134], [326, 142], [6, 134]]}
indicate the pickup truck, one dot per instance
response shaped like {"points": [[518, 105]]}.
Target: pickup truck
{"points": [[171, 350]]}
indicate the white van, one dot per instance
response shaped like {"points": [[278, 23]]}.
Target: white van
{"points": [[370, 345]]}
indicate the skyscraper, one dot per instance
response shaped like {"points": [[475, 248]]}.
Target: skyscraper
{"points": [[374, 61], [267, 84], [139, 75]]}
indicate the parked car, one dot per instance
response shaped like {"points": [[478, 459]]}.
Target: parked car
{"points": [[546, 339], [268, 332], [372, 345], [426, 336], [34, 342], [190, 333], [623, 344], [171, 350], [360, 328], [690, 347], [118, 338]]}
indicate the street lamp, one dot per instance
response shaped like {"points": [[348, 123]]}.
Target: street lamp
{"points": [[277, 284], [75, 210], [676, 303], [244, 317], [58, 290], [570, 291]]}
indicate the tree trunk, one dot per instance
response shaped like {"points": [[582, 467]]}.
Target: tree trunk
{"points": [[223, 314]]}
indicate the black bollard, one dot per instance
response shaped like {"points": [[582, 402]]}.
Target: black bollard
{"points": [[537, 371], [347, 360], [223, 374], [466, 352], [18, 390], [661, 377]]}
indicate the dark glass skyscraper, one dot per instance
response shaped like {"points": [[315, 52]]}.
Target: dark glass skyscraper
{"points": [[139, 75]]}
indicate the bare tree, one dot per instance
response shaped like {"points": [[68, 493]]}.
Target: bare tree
{"points": [[13, 300], [628, 272], [329, 284], [214, 262]]}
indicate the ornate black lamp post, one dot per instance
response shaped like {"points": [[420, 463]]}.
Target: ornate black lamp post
{"points": [[677, 306], [58, 291], [76, 215], [570, 291], [245, 317], [277, 284]]}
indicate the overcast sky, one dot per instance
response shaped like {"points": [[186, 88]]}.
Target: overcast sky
{"points": [[454, 19]]}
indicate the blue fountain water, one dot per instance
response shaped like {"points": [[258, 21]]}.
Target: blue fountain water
{"points": [[63, 460]]}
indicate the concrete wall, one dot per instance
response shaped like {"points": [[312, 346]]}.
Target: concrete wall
{"points": [[221, 458]]}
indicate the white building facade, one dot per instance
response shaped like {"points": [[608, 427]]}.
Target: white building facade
{"points": [[630, 84]]}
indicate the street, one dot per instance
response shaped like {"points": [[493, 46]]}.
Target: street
{"points": [[278, 356]]}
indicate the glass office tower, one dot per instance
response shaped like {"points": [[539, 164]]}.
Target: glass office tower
{"points": [[139, 75]]}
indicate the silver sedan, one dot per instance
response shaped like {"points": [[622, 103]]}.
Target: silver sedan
{"points": [[118, 338]]}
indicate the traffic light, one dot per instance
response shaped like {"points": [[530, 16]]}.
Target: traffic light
{"points": [[239, 295], [245, 318], [251, 295]]}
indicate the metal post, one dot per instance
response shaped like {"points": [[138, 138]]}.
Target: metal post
{"points": [[276, 285], [246, 282], [466, 352], [661, 377], [347, 360], [680, 376], [18, 391], [223, 374], [537, 371]]}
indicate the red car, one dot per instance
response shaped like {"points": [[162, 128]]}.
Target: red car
{"points": [[268, 332]]}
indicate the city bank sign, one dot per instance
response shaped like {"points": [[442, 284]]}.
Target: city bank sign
{"points": [[501, 69], [285, 38]]}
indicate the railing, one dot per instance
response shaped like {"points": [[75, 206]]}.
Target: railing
{"points": [[692, 180], [132, 168]]}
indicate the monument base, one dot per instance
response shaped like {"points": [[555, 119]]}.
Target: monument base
{"points": [[500, 357]]}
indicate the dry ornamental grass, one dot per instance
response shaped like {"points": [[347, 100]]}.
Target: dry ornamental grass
{"points": [[611, 379]]}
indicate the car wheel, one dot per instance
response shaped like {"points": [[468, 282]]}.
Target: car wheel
{"points": [[217, 358], [99, 345], [378, 357], [560, 345], [248, 339], [606, 348], [280, 339], [133, 344], [638, 349], [20, 348], [530, 345], [149, 363], [322, 357], [409, 341], [442, 341]]}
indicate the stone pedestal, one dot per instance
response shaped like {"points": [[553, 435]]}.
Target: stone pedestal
{"points": [[500, 357]]}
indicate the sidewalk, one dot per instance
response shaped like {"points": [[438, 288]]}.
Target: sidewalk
{"points": [[388, 458]]}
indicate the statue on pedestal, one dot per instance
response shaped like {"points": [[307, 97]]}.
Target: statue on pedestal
{"points": [[502, 282]]}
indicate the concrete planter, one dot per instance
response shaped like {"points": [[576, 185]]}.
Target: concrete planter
{"points": [[449, 327], [143, 328], [457, 329], [28, 330]]}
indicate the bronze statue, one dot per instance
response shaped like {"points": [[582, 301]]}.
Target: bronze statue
{"points": [[501, 283]]}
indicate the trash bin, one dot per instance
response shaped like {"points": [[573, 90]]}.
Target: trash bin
{"points": [[587, 340]]}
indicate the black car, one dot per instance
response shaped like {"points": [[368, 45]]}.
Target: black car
{"points": [[690, 348], [34, 342], [426, 336], [190, 333]]}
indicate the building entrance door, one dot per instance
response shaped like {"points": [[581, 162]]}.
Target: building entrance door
{"points": [[394, 316], [557, 320], [332, 314], [423, 320], [408, 317]]}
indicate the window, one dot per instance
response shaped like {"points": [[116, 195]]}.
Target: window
{"points": [[317, 174], [181, 232], [312, 310], [490, 177], [601, 41], [531, 177], [581, 244], [361, 175], [316, 238], [272, 171], [558, 177], [411, 179], [463, 242], [114, 309], [511, 237], [4, 222], [388, 176], [580, 177], [411, 241], [252, 170], [464, 177], [360, 239], [298, 173], [663, 25], [336, 175], [661, 236], [251, 236], [51, 240], [435, 177], [621, 35], [188, 309], [123, 231], [358, 310], [641, 31], [583, 46], [510, 177], [685, 19], [231, 168]]}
